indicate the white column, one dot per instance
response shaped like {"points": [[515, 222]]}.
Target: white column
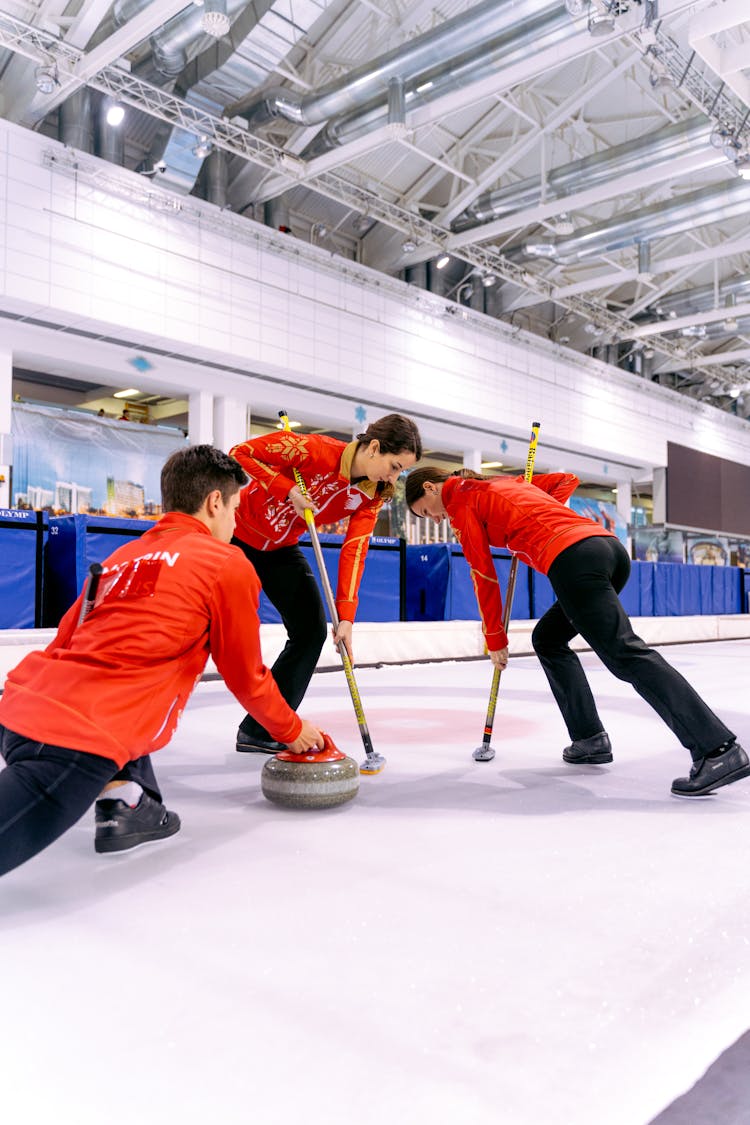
{"points": [[231, 422], [6, 445], [624, 499], [624, 506], [473, 460], [201, 418]]}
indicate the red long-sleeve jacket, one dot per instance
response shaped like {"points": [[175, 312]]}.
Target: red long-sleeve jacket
{"points": [[531, 520], [266, 520], [117, 684]]}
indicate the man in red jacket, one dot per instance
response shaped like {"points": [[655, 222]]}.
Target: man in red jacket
{"points": [[109, 690]]}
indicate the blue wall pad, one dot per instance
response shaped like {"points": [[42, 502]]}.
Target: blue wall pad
{"points": [[381, 589], [461, 604], [427, 570], [73, 543], [22, 536]]}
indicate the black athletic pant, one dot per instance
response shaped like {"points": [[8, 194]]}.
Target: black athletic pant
{"points": [[44, 790], [289, 584], [586, 578]]}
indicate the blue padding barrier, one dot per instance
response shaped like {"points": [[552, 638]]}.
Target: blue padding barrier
{"points": [[646, 573], [438, 581], [706, 589], [73, 543], [630, 594], [381, 593], [427, 570], [22, 536], [461, 602], [729, 582], [691, 589], [439, 587]]}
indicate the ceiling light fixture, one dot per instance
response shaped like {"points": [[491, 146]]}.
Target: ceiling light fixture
{"points": [[203, 147], [488, 280], [115, 114], [601, 21], [541, 249], [742, 164], [126, 394], [660, 78], [408, 246], [215, 21], [564, 224], [442, 261], [46, 79]]}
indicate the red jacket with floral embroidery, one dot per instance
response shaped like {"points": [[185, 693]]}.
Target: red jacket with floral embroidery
{"points": [[117, 684], [266, 520], [531, 520]]}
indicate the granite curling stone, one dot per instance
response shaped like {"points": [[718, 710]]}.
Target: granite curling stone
{"points": [[316, 780]]}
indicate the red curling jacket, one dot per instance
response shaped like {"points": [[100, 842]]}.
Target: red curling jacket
{"points": [[117, 684], [266, 520], [531, 520]]}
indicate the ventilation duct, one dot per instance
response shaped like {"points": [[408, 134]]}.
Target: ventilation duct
{"points": [[420, 60], [708, 205], [738, 326], [702, 298], [76, 121], [450, 74], [621, 160], [220, 75]]}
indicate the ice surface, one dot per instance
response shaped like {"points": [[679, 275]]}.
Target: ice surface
{"points": [[518, 942]]}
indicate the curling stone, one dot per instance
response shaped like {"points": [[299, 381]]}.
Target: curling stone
{"points": [[316, 780]]}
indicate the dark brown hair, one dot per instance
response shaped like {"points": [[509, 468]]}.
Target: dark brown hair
{"points": [[396, 434], [190, 474], [418, 478]]}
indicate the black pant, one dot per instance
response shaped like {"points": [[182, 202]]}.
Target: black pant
{"points": [[290, 586], [586, 578], [44, 790]]}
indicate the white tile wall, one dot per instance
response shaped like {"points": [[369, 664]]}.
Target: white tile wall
{"points": [[72, 251]]}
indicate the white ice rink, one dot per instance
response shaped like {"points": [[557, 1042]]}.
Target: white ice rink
{"points": [[513, 943]]}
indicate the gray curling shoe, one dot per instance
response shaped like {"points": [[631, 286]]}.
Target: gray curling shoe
{"points": [[593, 751], [712, 772]]}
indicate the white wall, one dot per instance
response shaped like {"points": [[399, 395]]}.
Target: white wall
{"points": [[276, 323]]}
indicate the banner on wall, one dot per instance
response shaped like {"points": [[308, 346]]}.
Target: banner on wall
{"points": [[707, 550], [655, 544], [64, 462], [603, 512]]}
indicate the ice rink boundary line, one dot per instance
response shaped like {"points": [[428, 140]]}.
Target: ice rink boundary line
{"points": [[421, 642]]}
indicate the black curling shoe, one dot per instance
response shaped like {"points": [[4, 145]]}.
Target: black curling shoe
{"points": [[712, 772], [594, 751], [119, 826], [248, 744]]}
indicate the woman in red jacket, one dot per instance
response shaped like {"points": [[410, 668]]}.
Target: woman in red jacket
{"points": [[587, 567], [343, 480]]}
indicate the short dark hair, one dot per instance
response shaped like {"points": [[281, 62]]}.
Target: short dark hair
{"points": [[396, 434], [190, 474]]}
